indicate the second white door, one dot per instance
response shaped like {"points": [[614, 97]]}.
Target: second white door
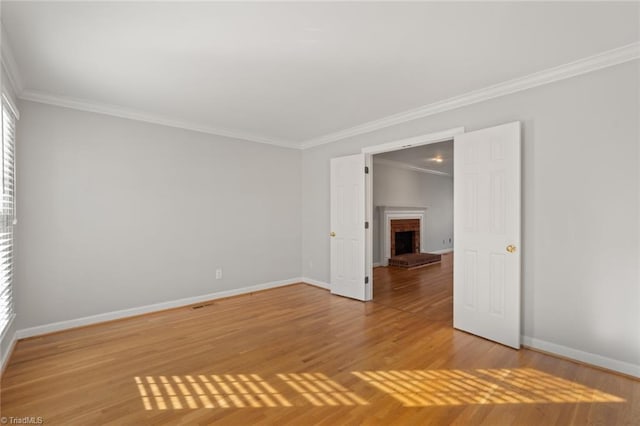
{"points": [[486, 284]]}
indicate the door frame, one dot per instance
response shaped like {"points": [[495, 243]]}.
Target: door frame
{"points": [[368, 152]]}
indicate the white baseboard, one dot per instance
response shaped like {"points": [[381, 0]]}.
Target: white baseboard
{"points": [[377, 264], [316, 283], [443, 251], [6, 355], [109, 316], [586, 357]]}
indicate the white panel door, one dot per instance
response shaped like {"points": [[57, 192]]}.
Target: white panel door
{"points": [[347, 226], [486, 281]]}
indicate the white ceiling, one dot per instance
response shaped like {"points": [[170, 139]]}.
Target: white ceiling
{"points": [[292, 72], [421, 158]]}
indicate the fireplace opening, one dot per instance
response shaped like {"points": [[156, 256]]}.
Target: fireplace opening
{"points": [[404, 242], [404, 237]]}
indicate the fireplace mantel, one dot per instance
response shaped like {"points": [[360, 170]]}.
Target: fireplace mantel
{"points": [[389, 213]]}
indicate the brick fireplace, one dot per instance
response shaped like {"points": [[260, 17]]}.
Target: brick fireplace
{"points": [[404, 236], [398, 219]]}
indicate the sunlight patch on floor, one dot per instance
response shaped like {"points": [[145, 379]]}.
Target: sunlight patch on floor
{"points": [[208, 391], [422, 388], [412, 388], [320, 391]]}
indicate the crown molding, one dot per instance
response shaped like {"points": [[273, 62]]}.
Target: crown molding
{"points": [[405, 166], [10, 64], [605, 59], [131, 114], [592, 63]]}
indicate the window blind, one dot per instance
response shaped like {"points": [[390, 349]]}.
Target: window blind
{"points": [[7, 216]]}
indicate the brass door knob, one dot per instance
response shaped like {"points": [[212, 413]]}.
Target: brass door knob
{"points": [[511, 248], [333, 234]]}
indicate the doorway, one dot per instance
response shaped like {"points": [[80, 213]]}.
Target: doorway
{"points": [[394, 151], [412, 222], [487, 223]]}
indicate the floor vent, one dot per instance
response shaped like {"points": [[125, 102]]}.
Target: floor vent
{"points": [[201, 306]]}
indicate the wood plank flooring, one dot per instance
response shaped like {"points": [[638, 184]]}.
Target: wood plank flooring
{"points": [[427, 291], [298, 355]]}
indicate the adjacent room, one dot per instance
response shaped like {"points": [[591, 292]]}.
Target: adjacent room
{"points": [[320, 213], [412, 193]]}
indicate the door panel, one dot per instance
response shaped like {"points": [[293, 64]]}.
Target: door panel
{"points": [[347, 226], [486, 222]]}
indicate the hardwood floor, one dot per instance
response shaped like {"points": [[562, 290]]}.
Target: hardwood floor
{"points": [[298, 355], [426, 291]]}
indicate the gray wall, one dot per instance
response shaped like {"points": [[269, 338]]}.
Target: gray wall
{"points": [[115, 214], [581, 189], [396, 187]]}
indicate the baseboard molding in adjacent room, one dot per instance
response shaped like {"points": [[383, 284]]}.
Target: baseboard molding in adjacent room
{"points": [[316, 283], [443, 251], [377, 264], [581, 356], [110, 316]]}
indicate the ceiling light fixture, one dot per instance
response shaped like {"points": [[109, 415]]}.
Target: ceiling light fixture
{"points": [[437, 159]]}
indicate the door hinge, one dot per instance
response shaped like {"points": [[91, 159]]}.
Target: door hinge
{"points": [[366, 225], [366, 170], [366, 280]]}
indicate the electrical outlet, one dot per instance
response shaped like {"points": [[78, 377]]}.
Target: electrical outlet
{"points": [[219, 274]]}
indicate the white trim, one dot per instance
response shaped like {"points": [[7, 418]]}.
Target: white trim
{"points": [[586, 357], [368, 211], [122, 112], [4, 356], [316, 283], [390, 214], [7, 355], [376, 264], [601, 60], [368, 232], [10, 64], [596, 62], [427, 139], [110, 316], [405, 166], [8, 326], [9, 102]]}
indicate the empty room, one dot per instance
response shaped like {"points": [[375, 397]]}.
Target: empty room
{"points": [[320, 213]]}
